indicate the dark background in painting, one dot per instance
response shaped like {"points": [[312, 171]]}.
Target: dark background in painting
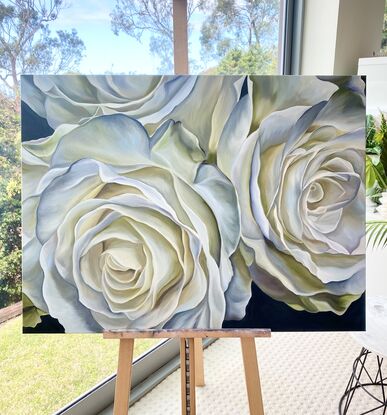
{"points": [[261, 312], [264, 312], [33, 126]]}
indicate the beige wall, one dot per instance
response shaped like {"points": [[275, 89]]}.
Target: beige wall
{"points": [[337, 33], [319, 36], [359, 33]]}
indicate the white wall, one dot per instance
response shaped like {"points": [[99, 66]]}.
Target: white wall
{"points": [[377, 272], [337, 33], [319, 37], [375, 70]]}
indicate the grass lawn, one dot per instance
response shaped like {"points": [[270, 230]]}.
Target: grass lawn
{"points": [[39, 373]]}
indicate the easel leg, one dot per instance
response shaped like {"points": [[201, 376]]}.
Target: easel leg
{"points": [[192, 377], [199, 364], [124, 373], [253, 383], [187, 365]]}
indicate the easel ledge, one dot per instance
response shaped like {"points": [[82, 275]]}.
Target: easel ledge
{"points": [[191, 363], [186, 334]]}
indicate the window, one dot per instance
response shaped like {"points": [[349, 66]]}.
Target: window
{"points": [[120, 36], [49, 371], [124, 37], [238, 37]]}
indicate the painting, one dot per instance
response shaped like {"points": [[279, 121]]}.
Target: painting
{"points": [[193, 202]]}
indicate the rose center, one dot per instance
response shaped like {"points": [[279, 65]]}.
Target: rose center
{"points": [[123, 260], [316, 193], [331, 192]]}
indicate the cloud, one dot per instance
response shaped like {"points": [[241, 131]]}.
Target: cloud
{"points": [[85, 11]]}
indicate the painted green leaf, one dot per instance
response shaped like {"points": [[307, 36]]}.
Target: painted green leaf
{"points": [[31, 314]]}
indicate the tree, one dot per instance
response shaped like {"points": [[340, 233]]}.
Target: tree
{"points": [[256, 60], [10, 204], [150, 18], [26, 43], [238, 24], [229, 25]]}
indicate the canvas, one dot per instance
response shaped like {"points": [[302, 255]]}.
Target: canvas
{"points": [[183, 202]]}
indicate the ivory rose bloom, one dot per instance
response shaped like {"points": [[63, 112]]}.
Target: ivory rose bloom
{"points": [[124, 231], [202, 103], [298, 174]]}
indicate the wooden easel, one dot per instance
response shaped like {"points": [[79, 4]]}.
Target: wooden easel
{"points": [[191, 345], [191, 363]]}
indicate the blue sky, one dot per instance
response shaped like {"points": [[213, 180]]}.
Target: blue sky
{"points": [[104, 50]]}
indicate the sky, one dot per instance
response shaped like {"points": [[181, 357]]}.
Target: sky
{"points": [[104, 50]]}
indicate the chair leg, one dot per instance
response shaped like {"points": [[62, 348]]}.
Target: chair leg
{"points": [[361, 380]]}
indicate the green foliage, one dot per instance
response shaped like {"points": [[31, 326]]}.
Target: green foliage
{"points": [[10, 278], [381, 139], [10, 225], [10, 204], [375, 174], [233, 24], [256, 60], [371, 144], [376, 158], [9, 129]]}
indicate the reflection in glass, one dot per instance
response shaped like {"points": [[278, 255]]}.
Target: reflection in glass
{"points": [[235, 37]]}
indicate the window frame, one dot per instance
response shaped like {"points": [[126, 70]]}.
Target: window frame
{"points": [[291, 32]]}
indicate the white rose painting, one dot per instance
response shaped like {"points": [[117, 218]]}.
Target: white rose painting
{"points": [[193, 202]]}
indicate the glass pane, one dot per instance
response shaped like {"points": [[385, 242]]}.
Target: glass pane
{"points": [[49, 371], [122, 36], [113, 36], [234, 37]]}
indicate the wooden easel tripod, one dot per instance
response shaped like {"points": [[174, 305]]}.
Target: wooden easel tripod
{"points": [[191, 349], [191, 363]]}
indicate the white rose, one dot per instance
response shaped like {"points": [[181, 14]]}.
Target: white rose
{"points": [[202, 103], [299, 181], [126, 232]]}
